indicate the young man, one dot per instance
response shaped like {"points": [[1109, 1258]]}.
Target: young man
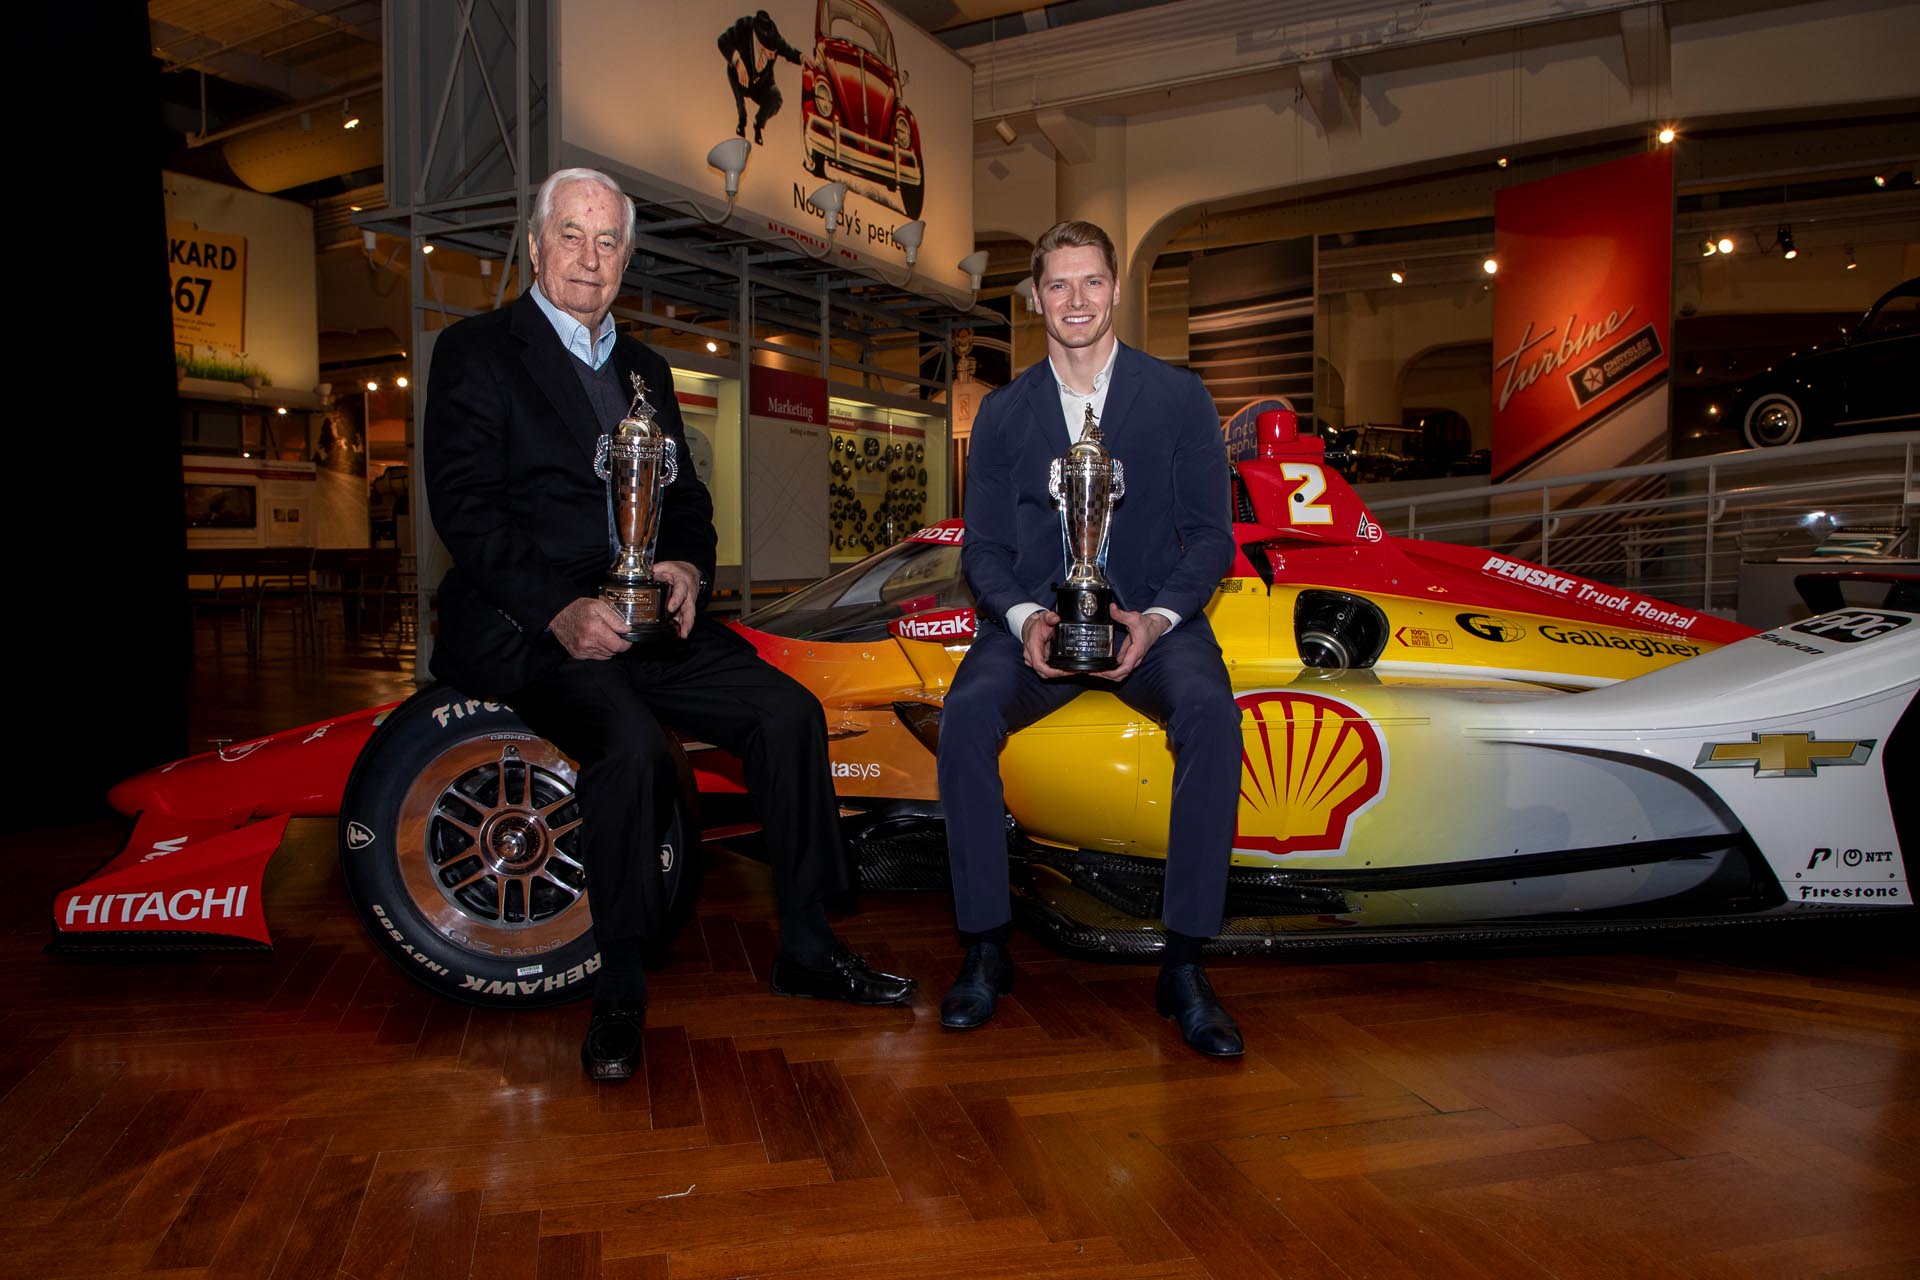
{"points": [[1171, 543], [520, 400]]}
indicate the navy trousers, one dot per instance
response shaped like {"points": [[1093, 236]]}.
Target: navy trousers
{"points": [[1182, 684]]}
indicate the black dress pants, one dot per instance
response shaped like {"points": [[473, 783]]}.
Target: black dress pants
{"points": [[613, 717]]}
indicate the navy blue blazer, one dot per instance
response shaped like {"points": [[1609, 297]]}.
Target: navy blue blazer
{"points": [[1172, 537]]}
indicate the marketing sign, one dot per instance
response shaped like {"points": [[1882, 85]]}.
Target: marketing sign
{"points": [[825, 91], [1582, 309]]}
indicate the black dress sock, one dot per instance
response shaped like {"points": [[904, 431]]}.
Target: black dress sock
{"points": [[1182, 948], [806, 937], [622, 973]]}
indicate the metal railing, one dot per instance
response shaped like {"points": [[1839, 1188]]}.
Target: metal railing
{"points": [[1679, 529]]}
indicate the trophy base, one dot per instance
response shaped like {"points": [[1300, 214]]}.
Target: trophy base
{"points": [[1079, 644], [642, 607]]}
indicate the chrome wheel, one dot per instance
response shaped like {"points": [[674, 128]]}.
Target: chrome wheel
{"points": [[489, 835], [1774, 420]]}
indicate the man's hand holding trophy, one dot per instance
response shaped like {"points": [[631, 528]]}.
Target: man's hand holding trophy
{"points": [[641, 463]]}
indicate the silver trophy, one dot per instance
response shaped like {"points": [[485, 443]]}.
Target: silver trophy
{"points": [[1086, 483], [640, 464]]}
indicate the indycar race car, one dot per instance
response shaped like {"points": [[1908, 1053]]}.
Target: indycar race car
{"points": [[1439, 742]]}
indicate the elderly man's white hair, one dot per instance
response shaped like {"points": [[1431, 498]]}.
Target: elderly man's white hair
{"points": [[543, 203]]}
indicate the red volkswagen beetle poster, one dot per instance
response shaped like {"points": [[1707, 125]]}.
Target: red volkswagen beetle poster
{"points": [[1582, 308]]}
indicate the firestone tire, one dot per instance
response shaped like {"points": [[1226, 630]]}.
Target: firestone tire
{"points": [[459, 844], [1772, 420]]}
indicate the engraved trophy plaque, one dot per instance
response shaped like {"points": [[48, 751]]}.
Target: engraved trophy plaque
{"points": [[640, 464], [1086, 483]]}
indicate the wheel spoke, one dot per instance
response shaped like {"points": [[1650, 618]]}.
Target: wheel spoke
{"points": [[475, 878], [471, 832], [561, 855], [554, 833], [573, 894], [546, 812]]}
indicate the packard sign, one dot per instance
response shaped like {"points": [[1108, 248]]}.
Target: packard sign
{"points": [[1582, 310]]}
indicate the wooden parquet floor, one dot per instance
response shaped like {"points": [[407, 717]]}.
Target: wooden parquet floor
{"points": [[1730, 1106]]}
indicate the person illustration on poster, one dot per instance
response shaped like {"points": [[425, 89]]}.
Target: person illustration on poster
{"points": [[751, 46]]}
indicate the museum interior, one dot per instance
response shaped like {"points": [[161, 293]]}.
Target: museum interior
{"points": [[1566, 356]]}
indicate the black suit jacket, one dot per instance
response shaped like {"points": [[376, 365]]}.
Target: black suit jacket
{"points": [[509, 443], [1171, 540]]}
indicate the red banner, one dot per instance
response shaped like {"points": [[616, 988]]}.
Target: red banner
{"points": [[788, 395], [1583, 308]]}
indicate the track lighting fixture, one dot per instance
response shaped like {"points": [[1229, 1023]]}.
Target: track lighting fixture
{"points": [[348, 119], [1784, 238]]}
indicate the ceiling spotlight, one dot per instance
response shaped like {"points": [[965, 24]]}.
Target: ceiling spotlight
{"points": [[1667, 134], [1724, 244], [372, 386], [1784, 237], [1879, 179], [1006, 131], [400, 382], [1490, 266], [282, 411], [426, 248], [1398, 275], [713, 348], [348, 120], [1851, 264], [1708, 249], [1502, 162]]}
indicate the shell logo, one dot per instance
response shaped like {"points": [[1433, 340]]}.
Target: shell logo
{"points": [[1309, 765]]}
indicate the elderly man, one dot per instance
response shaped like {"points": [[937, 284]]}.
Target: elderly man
{"points": [[519, 402], [1171, 543]]}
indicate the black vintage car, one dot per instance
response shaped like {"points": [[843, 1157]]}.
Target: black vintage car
{"points": [[1867, 380]]}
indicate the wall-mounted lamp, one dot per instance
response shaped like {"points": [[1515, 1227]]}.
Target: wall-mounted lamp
{"points": [[975, 266], [1006, 131], [323, 392], [829, 200], [730, 158], [1027, 295], [908, 236]]}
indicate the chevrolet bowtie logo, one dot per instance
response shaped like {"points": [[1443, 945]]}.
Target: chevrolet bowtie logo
{"points": [[1783, 755]]}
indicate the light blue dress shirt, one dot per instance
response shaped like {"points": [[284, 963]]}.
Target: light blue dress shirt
{"points": [[590, 349]]}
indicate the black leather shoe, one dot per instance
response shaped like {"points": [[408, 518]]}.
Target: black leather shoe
{"points": [[1184, 994], [985, 975], [611, 1050], [846, 977]]}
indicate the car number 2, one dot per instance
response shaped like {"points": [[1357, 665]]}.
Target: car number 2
{"points": [[1302, 509]]}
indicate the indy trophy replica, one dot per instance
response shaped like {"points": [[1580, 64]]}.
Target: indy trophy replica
{"points": [[639, 462], [1086, 483]]}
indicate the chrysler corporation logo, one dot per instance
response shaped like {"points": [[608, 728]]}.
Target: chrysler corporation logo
{"points": [[1310, 766]]}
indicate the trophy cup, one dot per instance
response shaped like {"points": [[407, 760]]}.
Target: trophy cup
{"points": [[640, 464], [1086, 483]]}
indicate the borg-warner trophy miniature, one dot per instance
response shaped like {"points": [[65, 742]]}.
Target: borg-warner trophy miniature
{"points": [[640, 464], [1086, 483]]}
